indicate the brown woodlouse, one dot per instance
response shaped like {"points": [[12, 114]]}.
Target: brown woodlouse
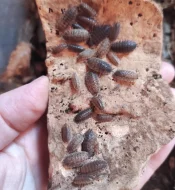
{"points": [[57, 49], [83, 115], [99, 33], [90, 143], [99, 66], [104, 118], [66, 133], [113, 58], [75, 143], [76, 35], [86, 21], [75, 48], [77, 26], [84, 55], [92, 82], [93, 167], [86, 10], [114, 31], [97, 103], [75, 159], [67, 19], [103, 48], [123, 46], [82, 180], [125, 75], [75, 82]]}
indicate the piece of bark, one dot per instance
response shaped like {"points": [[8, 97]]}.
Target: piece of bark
{"points": [[146, 120]]}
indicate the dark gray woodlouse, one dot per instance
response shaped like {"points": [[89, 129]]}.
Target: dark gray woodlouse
{"points": [[75, 82], [125, 75], [75, 159], [75, 143], [67, 19], [86, 21], [94, 167], [123, 46], [104, 118], [90, 143], [86, 10], [76, 35], [113, 58], [66, 133], [57, 49], [77, 26], [103, 48], [92, 82], [96, 102], [87, 53], [83, 115], [75, 48], [114, 31], [99, 66], [82, 180]]}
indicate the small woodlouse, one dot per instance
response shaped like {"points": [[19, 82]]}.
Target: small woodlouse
{"points": [[86, 21], [96, 101], [75, 82], [114, 31], [92, 82], [125, 75], [99, 33], [86, 10], [87, 53], [76, 35], [75, 48], [104, 118], [99, 66], [103, 48], [93, 167], [123, 46], [82, 180], [113, 58], [67, 19], [83, 115], [57, 49], [75, 143], [75, 159], [66, 133], [77, 26]]}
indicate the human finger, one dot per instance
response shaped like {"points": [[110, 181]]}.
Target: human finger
{"points": [[167, 71]]}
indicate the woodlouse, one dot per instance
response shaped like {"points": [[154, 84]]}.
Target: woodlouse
{"points": [[75, 143], [66, 133], [113, 58], [83, 115], [123, 46], [99, 33], [76, 35], [103, 48], [75, 48], [86, 21], [114, 31], [99, 66], [82, 180], [67, 19], [93, 167], [77, 26], [75, 82], [57, 49], [125, 75], [104, 118], [87, 53], [86, 10], [75, 159], [96, 101], [92, 82]]}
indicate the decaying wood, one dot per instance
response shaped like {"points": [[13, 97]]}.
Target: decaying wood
{"points": [[127, 142]]}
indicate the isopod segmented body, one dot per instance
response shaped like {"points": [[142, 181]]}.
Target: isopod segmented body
{"points": [[66, 133], [103, 118], [93, 167], [82, 180], [86, 10], [97, 103], [75, 143], [123, 46], [86, 21], [75, 82], [87, 53], [113, 58], [83, 115], [125, 75], [67, 19], [103, 48], [75, 48], [75, 159], [99, 66], [77, 26], [92, 82], [57, 49], [76, 35], [114, 31]]}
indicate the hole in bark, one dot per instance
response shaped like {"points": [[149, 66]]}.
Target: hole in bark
{"points": [[131, 23], [147, 69], [50, 10], [140, 15], [154, 35], [106, 133], [63, 11], [130, 2]]}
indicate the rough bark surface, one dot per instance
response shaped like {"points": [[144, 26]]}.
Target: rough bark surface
{"points": [[148, 120]]}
